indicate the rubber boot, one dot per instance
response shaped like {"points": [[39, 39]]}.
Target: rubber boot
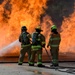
{"points": [[19, 63], [54, 65], [31, 64], [40, 65]]}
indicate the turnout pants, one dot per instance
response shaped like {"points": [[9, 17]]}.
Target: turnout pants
{"points": [[54, 54], [39, 57], [24, 50]]}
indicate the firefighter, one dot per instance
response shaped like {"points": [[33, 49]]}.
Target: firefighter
{"points": [[38, 41], [54, 42], [24, 38]]}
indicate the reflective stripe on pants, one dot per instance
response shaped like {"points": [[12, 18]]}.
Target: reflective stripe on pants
{"points": [[39, 56], [54, 54]]}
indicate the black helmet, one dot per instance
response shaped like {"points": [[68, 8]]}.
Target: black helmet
{"points": [[24, 28]]}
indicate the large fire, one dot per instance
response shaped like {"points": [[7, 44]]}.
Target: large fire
{"points": [[68, 34], [16, 13]]}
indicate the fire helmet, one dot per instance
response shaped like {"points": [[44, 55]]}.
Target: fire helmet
{"points": [[53, 27], [24, 28], [38, 28]]}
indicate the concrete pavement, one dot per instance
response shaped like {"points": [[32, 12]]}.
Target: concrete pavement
{"points": [[14, 69]]}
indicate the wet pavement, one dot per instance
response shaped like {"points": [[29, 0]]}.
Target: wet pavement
{"points": [[14, 69]]}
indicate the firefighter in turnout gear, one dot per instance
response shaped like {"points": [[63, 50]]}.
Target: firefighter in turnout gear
{"points": [[38, 42], [24, 38], [54, 42]]}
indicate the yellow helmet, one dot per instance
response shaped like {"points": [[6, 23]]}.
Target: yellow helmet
{"points": [[39, 28], [53, 27]]}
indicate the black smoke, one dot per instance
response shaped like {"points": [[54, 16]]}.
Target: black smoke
{"points": [[58, 9], [1, 1], [7, 10]]}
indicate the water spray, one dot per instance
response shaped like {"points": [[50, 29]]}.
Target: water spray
{"points": [[9, 47]]}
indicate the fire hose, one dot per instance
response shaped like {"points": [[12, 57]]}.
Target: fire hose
{"points": [[67, 70], [62, 69], [47, 54]]}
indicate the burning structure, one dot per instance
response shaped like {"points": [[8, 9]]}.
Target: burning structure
{"points": [[15, 13]]}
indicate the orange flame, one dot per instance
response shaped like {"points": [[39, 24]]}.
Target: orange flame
{"points": [[16, 13], [27, 12], [68, 34]]}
